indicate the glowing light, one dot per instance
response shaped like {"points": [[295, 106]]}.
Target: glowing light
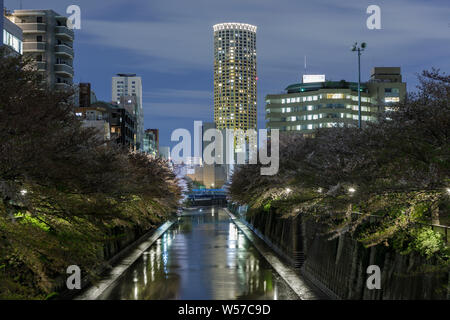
{"points": [[23, 192], [234, 25], [288, 190], [448, 190], [351, 190]]}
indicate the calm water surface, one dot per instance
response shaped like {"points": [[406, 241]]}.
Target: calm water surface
{"points": [[203, 256]]}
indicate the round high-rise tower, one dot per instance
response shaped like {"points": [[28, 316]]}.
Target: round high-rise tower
{"points": [[235, 76]]}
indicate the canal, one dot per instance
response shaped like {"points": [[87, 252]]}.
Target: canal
{"points": [[202, 256]]}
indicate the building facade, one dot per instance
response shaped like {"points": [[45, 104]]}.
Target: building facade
{"points": [[235, 76], [386, 86], [49, 41], [96, 115], [130, 85], [164, 152], [308, 106], [84, 96], [113, 121], [12, 35], [151, 142]]}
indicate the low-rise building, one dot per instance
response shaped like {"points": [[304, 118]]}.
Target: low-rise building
{"points": [[96, 116], [113, 121], [308, 106]]}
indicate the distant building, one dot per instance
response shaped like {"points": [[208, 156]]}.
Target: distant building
{"points": [[49, 41], [84, 96], [12, 35], [151, 142], [115, 122], [96, 116], [308, 106], [235, 76], [164, 152], [123, 125], [130, 85], [386, 86], [131, 104], [210, 175]]}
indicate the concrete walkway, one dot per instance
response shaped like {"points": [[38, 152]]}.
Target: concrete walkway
{"points": [[300, 287], [96, 290]]}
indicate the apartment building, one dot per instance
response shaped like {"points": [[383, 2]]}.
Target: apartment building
{"points": [[48, 40], [126, 85]]}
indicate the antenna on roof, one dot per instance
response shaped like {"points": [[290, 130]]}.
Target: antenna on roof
{"points": [[305, 64], [20, 4]]}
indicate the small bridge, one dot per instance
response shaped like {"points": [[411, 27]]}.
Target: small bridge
{"points": [[207, 197]]}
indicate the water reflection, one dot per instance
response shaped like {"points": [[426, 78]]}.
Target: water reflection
{"points": [[203, 256]]}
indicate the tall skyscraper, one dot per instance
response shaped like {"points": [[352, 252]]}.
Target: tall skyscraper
{"points": [[131, 85], [235, 76], [48, 40]]}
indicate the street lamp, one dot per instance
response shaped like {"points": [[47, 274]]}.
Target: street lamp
{"points": [[359, 49]]}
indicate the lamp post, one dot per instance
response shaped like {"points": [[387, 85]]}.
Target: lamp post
{"points": [[359, 49]]}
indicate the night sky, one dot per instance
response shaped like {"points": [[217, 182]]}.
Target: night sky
{"points": [[170, 45]]}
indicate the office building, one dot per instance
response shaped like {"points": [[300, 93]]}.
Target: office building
{"points": [[48, 40], [310, 105], [235, 76], [130, 85], [386, 86]]}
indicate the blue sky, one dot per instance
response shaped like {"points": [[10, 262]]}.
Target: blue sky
{"points": [[170, 44]]}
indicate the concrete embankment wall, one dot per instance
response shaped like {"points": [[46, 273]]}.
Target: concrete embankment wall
{"points": [[339, 266], [122, 241]]}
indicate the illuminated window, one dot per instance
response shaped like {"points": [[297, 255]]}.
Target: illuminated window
{"points": [[335, 96], [391, 99]]}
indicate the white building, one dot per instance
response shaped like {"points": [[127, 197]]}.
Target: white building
{"points": [[124, 85], [48, 40]]}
